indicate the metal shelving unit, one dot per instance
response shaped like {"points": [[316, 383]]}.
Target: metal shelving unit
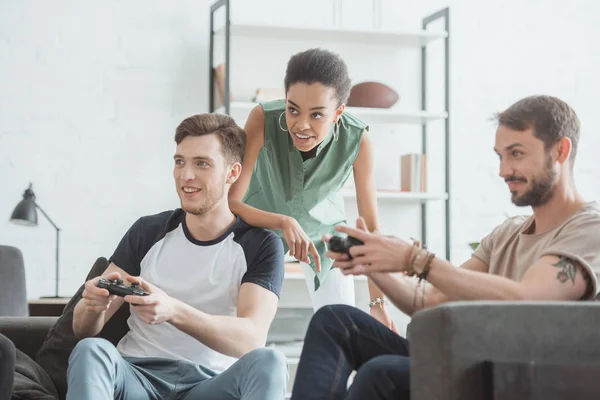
{"points": [[423, 117]]}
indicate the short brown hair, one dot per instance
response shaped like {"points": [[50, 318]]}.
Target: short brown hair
{"points": [[551, 119], [231, 136]]}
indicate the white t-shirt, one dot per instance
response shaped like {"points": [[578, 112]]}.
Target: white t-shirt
{"points": [[204, 275]]}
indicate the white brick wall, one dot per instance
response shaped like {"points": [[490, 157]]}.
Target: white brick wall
{"points": [[91, 92], [90, 95]]}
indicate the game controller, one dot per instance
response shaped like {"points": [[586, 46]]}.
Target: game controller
{"points": [[342, 245], [116, 286]]}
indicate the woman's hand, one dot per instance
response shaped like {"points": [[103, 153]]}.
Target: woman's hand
{"points": [[381, 315], [298, 242]]}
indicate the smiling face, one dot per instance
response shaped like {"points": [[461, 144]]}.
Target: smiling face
{"points": [[311, 110], [202, 174], [526, 166]]}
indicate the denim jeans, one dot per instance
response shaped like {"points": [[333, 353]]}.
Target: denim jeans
{"points": [[98, 371], [341, 339]]}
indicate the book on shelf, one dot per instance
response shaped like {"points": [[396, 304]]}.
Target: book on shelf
{"points": [[413, 173], [268, 94], [219, 86]]}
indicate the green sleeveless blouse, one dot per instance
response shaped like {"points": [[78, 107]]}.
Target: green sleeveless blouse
{"points": [[283, 183]]}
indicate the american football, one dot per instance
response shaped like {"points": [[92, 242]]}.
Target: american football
{"points": [[372, 94]]}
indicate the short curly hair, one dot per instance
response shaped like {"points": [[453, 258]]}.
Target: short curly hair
{"points": [[319, 66]]}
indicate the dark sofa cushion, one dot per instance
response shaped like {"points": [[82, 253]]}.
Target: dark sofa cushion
{"points": [[54, 354], [31, 381], [7, 365]]}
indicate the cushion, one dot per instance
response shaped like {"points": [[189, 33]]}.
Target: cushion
{"points": [[7, 366], [54, 354], [31, 381], [13, 293]]}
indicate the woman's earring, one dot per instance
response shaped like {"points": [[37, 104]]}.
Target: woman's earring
{"points": [[281, 127], [336, 130]]}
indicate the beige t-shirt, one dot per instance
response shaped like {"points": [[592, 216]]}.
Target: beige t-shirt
{"points": [[510, 252]]}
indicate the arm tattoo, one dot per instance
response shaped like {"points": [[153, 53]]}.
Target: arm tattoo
{"points": [[567, 271]]}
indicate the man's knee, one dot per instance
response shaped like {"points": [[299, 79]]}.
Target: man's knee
{"points": [[370, 370], [268, 363], [393, 367], [93, 349], [7, 352], [328, 314]]}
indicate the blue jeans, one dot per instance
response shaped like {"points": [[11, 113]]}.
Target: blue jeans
{"points": [[341, 339], [98, 371]]}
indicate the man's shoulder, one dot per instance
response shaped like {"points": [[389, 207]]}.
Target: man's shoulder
{"points": [[586, 218], [254, 233], [159, 220], [264, 254], [590, 210], [589, 215], [161, 217], [141, 237], [258, 243]]}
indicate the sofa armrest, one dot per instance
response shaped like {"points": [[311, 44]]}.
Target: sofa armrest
{"points": [[450, 344], [27, 333]]}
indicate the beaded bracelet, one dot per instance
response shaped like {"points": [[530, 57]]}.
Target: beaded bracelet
{"points": [[378, 300], [425, 272], [411, 258]]}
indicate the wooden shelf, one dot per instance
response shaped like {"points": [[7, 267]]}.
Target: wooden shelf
{"points": [[50, 300], [239, 110], [369, 37], [293, 271], [408, 197], [254, 35]]}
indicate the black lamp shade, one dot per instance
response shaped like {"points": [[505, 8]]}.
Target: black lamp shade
{"points": [[25, 213]]}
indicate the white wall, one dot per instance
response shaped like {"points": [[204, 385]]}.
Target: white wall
{"points": [[91, 92], [90, 95]]}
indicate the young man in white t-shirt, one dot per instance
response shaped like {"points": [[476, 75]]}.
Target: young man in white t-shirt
{"points": [[213, 284]]}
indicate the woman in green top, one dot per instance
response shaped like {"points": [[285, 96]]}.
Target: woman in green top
{"points": [[299, 153]]}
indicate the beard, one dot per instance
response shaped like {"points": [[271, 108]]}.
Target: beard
{"points": [[212, 198], [540, 192]]}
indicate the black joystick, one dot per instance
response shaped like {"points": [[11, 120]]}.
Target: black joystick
{"points": [[342, 245], [116, 286]]}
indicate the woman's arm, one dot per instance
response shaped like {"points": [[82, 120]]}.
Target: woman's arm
{"points": [[364, 181], [255, 140], [366, 196]]}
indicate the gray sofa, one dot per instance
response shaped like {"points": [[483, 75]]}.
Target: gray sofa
{"points": [[13, 294], [45, 343], [506, 350], [461, 350]]}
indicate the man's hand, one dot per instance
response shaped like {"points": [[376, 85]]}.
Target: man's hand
{"points": [[96, 299], [156, 308], [341, 260], [379, 253]]}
